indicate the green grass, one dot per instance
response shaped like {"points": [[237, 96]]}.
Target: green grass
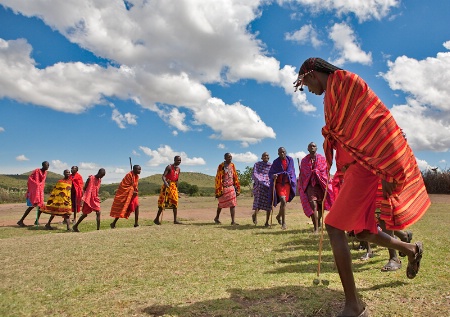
{"points": [[202, 269]]}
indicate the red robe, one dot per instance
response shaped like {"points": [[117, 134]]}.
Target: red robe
{"points": [[36, 184], [77, 191], [126, 198]]}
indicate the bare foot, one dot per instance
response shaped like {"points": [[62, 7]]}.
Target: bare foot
{"points": [[21, 224]]}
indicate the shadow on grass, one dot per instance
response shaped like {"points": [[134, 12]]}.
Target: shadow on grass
{"points": [[297, 301]]}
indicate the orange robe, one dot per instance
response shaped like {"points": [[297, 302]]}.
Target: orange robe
{"points": [[77, 191], [357, 121], [125, 200], [59, 202]]}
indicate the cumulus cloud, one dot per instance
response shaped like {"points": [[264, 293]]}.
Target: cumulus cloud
{"points": [[347, 46], [164, 155], [22, 158], [233, 122], [298, 155], [2, 129], [118, 170], [305, 35], [58, 165], [88, 166], [425, 117], [363, 10], [247, 157], [221, 146], [423, 165], [122, 119], [160, 47]]}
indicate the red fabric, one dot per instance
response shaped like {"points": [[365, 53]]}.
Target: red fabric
{"points": [[316, 174], [36, 184], [173, 174], [357, 120], [354, 207], [90, 196], [77, 191], [283, 189]]}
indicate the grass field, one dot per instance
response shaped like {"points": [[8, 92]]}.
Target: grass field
{"points": [[203, 269]]}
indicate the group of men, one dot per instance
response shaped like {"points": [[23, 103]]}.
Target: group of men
{"points": [[66, 197], [372, 155], [69, 196]]}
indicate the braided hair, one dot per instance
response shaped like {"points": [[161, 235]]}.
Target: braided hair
{"points": [[313, 64]]}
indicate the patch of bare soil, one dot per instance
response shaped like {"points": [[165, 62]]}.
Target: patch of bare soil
{"points": [[189, 209]]}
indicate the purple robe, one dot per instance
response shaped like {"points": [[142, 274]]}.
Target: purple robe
{"points": [[288, 177], [261, 183]]}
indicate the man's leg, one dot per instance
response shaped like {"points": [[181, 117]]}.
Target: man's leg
{"points": [[156, 220], [136, 217], [97, 217], [113, 224], [255, 216], [75, 226], [25, 214], [315, 215], [175, 214], [232, 213], [48, 225], [283, 212], [268, 212], [216, 219], [394, 262], [343, 261], [67, 221]]}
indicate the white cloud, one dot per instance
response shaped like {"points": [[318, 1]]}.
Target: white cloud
{"points": [[423, 165], [233, 122], [221, 146], [347, 46], [447, 45], [58, 165], [121, 119], [363, 10], [306, 34], [442, 161], [2, 129], [298, 155], [164, 155], [88, 166], [174, 132], [247, 157], [22, 158], [135, 153], [119, 171], [426, 115]]}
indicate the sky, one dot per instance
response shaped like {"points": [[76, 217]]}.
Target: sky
{"points": [[94, 82]]}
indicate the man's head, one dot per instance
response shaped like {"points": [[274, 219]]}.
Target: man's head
{"points": [[66, 174], [45, 165], [74, 170], [101, 172], [265, 157], [136, 169], [228, 157], [313, 74], [282, 153], [312, 148], [177, 160]]}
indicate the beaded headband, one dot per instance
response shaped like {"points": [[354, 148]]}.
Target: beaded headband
{"points": [[299, 81]]}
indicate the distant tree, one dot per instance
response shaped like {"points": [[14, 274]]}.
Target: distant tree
{"points": [[193, 190], [245, 178], [104, 195]]}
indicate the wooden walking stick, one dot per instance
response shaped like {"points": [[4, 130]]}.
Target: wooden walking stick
{"points": [[317, 281], [273, 199]]}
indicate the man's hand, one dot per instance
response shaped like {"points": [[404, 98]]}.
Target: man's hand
{"points": [[388, 188], [275, 176]]}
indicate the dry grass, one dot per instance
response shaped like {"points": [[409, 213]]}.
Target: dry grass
{"points": [[201, 269]]}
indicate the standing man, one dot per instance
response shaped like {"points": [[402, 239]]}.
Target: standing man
{"points": [[168, 196], [59, 203], [91, 199], [227, 188], [126, 199], [371, 147], [35, 192], [282, 176], [261, 183], [77, 191], [312, 182]]}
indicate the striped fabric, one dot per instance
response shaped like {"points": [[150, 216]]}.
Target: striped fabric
{"points": [[125, 201], [220, 178], [356, 119]]}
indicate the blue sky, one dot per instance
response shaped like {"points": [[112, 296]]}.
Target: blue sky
{"points": [[93, 82]]}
